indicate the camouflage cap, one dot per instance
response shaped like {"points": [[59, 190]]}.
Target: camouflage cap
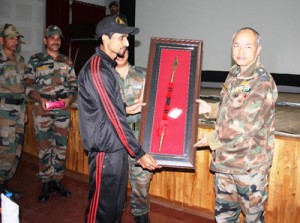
{"points": [[9, 31], [53, 30]]}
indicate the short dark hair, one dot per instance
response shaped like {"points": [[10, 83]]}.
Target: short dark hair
{"points": [[258, 37], [113, 3], [100, 41]]}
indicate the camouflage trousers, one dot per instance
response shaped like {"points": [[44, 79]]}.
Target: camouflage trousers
{"points": [[11, 138], [52, 131], [240, 193], [139, 180]]}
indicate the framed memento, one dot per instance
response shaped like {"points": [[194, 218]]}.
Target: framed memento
{"points": [[168, 128]]}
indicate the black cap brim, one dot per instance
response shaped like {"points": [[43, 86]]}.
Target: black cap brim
{"points": [[127, 30]]}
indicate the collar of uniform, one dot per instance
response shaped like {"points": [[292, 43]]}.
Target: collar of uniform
{"points": [[104, 56], [3, 54], [131, 71], [46, 55], [248, 74], [5, 57]]}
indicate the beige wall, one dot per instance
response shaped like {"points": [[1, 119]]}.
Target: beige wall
{"points": [[215, 21], [29, 18]]}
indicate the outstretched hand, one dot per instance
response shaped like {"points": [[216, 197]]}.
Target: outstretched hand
{"points": [[204, 107], [201, 143], [135, 108]]}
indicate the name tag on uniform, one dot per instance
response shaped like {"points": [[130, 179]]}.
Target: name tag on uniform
{"points": [[44, 67], [9, 67]]}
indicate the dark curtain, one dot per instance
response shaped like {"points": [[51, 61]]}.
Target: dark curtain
{"points": [[87, 13], [85, 17], [79, 36], [57, 13], [127, 8]]}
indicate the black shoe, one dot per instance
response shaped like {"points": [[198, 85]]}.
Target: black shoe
{"points": [[44, 196], [58, 187], [51, 187], [4, 189], [142, 218]]}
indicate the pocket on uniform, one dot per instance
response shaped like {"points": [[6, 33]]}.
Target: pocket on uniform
{"points": [[239, 100], [43, 75], [4, 132]]}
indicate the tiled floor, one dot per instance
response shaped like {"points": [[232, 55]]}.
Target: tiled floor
{"points": [[71, 210]]}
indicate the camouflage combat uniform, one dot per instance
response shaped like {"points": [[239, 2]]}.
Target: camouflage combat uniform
{"points": [[53, 79], [131, 89], [12, 111], [243, 143]]}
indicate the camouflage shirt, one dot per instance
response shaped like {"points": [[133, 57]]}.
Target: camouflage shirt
{"points": [[11, 75], [132, 87], [49, 76], [244, 136]]}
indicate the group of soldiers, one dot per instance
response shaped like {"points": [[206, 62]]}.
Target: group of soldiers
{"points": [[242, 144], [47, 78]]}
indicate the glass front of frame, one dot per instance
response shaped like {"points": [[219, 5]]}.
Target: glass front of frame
{"points": [[169, 119]]}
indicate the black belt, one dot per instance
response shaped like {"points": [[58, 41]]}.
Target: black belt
{"points": [[13, 101], [54, 97]]}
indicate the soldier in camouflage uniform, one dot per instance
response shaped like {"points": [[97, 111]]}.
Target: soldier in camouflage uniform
{"points": [[132, 79], [243, 141], [12, 105], [50, 77]]}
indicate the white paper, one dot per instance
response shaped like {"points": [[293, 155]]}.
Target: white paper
{"points": [[10, 210], [175, 113]]}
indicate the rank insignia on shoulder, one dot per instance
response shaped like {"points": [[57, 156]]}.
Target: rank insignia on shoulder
{"points": [[224, 87], [262, 73]]}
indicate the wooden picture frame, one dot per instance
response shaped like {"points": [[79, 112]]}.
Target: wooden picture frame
{"points": [[168, 128]]}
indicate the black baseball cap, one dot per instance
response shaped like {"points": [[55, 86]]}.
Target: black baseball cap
{"points": [[114, 24]]}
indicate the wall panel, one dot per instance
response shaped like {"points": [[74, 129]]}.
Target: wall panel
{"points": [[195, 189]]}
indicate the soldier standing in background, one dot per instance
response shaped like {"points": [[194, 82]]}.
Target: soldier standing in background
{"points": [[113, 8], [12, 105], [50, 80], [132, 80]]}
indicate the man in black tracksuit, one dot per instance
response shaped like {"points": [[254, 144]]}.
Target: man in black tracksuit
{"points": [[104, 130]]}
